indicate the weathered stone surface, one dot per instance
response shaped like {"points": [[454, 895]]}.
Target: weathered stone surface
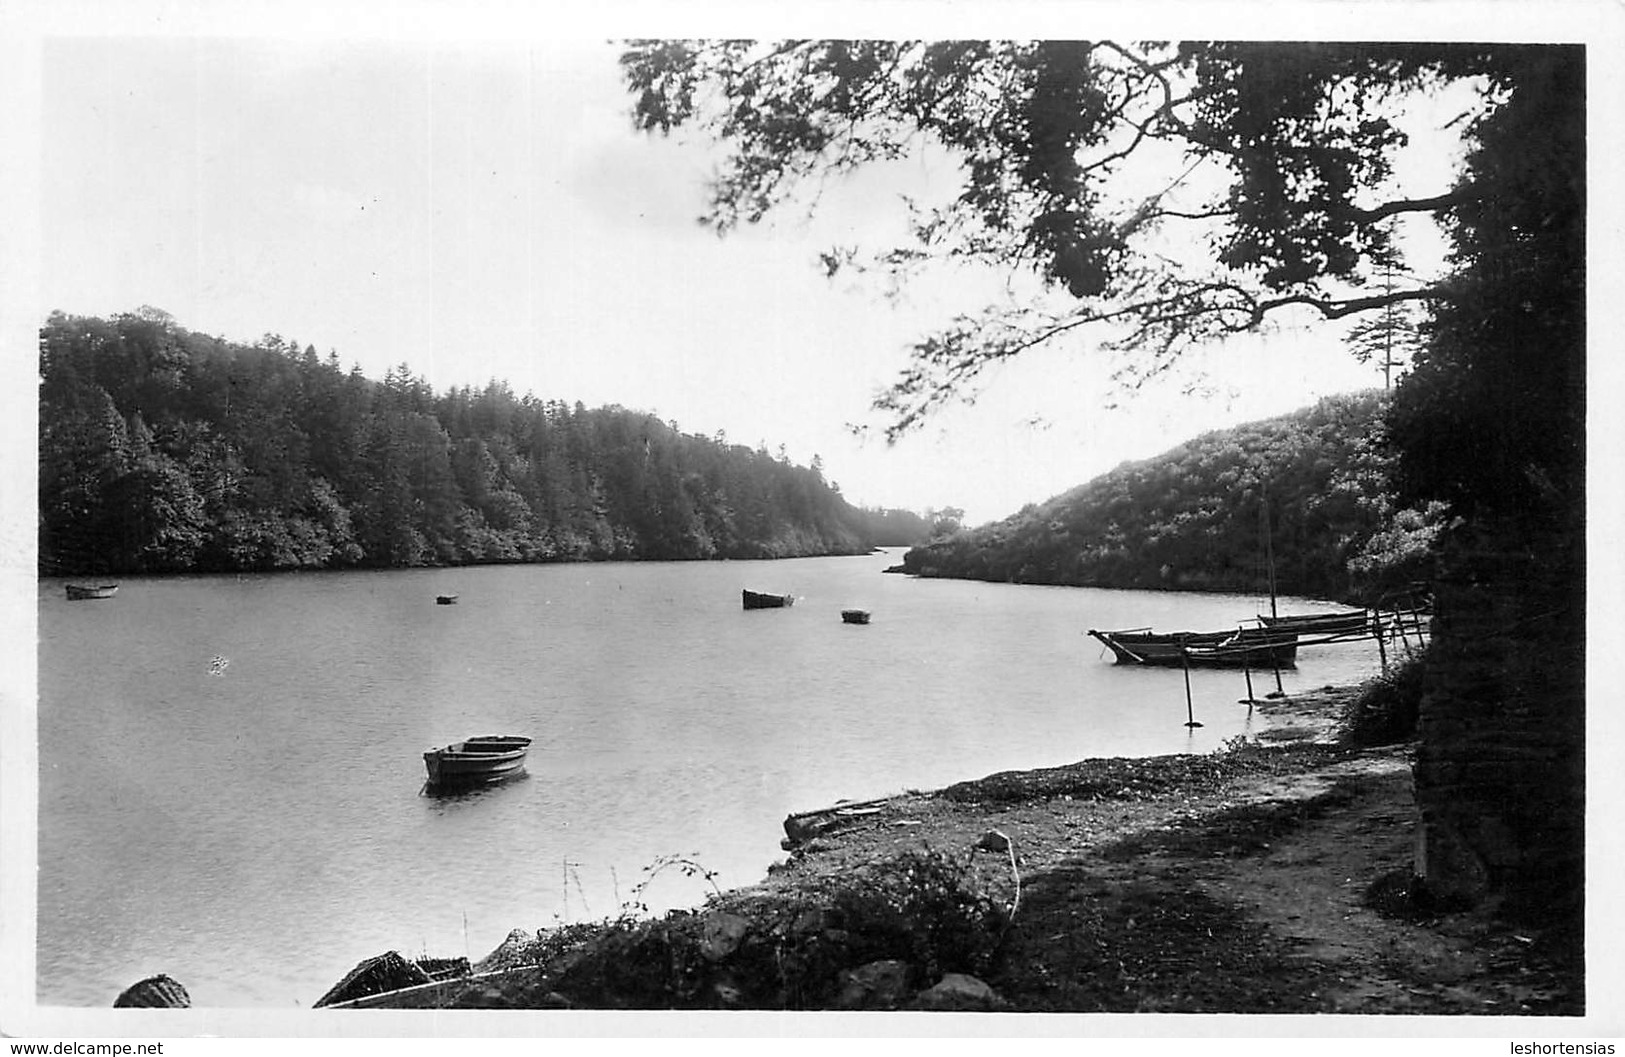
{"points": [[877, 985], [721, 934], [1500, 765], [482, 998], [808, 921], [510, 952], [1447, 862], [445, 968], [154, 992], [959, 991], [727, 993], [993, 840], [390, 971]]}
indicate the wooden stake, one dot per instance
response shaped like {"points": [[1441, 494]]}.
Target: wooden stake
{"points": [[1190, 714]]}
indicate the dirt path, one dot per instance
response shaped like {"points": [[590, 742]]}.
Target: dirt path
{"points": [[1311, 887], [1246, 893]]}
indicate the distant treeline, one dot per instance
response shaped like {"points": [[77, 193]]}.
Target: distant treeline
{"points": [[165, 450], [1310, 488]]}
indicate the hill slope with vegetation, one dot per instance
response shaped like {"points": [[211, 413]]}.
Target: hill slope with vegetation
{"points": [[1311, 487], [163, 450]]}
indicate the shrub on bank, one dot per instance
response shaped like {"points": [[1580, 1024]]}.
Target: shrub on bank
{"points": [[925, 913], [1385, 712]]}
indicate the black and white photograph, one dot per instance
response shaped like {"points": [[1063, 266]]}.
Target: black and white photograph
{"points": [[1075, 522]]}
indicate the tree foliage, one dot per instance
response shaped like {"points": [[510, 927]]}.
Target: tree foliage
{"points": [[1492, 419], [1086, 165], [165, 450], [1196, 517]]}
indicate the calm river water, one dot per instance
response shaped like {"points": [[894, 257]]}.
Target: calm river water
{"points": [[231, 767]]}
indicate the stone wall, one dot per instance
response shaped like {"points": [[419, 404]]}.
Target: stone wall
{"points": [[1500, 770]]}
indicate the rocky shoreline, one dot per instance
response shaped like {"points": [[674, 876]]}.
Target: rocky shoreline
{"points": [[1271, 877]]}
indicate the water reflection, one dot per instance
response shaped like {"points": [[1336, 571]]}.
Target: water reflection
{"points": [[444, 797]]}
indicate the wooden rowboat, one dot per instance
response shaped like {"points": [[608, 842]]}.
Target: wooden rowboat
{"points": [[1242, 648], [1345, 623], [82, 592], [855, 616], [476, 761]]}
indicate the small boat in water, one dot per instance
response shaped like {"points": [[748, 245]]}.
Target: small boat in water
{"points": [[445, 600], [1345, 623], [477, 761], [758, 600], [1242, 648], [855, 616], [82, 593]]}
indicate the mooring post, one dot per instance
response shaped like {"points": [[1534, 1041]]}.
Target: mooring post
{"points": [[1190, 713], [1275, 661], [1247, 672]]}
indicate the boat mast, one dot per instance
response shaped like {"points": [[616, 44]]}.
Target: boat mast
{"points": [[1269, 545]]}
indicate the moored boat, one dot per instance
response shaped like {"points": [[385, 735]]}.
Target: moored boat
{"points": [[83, 592], [1345, 623], [445, 600], [758, 600], [477, 761], [855, 616], [1241, 648]]}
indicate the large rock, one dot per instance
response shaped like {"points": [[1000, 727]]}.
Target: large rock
{"points": [[390, 971], [154, 992], [959, 992], [995, 841], [877, 985], [515, 950], [721, 934]]}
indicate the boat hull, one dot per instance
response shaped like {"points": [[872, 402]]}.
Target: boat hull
{"points": [[1349, 623], [855, 616], [476, 761], [758, 600], [1246, 648], [82, 593]]}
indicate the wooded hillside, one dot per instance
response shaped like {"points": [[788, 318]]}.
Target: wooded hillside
{"points": [[167, 450], [1195, 517]]}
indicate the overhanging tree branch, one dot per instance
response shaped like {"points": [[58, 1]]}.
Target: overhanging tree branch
{"points": [[1436, 204], [1338, 308], [1050, 136]]}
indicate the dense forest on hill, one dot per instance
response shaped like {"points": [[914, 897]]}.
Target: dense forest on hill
{"points": [[1195, 517], [165, 450]]}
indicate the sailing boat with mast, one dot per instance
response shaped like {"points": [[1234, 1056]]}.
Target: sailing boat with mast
{"points": [[1242, 647], [1350, 622]]}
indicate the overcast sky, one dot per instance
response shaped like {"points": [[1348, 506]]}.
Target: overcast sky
{"points": [[478, 206]]}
